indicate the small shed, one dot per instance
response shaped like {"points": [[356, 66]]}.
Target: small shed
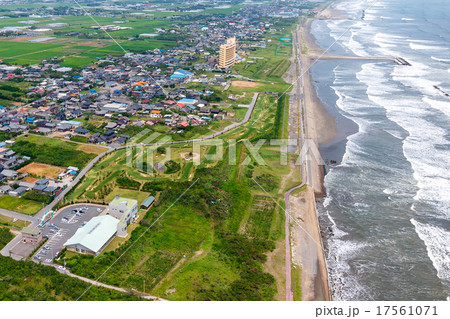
{"points": [[148, 202]]}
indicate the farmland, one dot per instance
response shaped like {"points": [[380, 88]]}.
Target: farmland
{"points": [[42, 170], [52, 151], [20, 205]]}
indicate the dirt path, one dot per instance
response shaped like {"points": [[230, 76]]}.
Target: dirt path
{"points": [[100, 284]]}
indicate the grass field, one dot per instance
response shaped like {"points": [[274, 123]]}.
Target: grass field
{"points": [[42, 170], [20, 205], [92, 149], [9, 222], [54, 151]]}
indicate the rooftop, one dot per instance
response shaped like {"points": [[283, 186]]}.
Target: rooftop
{"points": [[31, 231], [120, 200], [95, 234]]}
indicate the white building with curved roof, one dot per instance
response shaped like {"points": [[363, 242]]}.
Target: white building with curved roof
{"points": [[94, 236]]}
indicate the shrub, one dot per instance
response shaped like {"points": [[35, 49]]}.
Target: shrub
{"points": [[172, 167], [38, 197], [125, 182]]}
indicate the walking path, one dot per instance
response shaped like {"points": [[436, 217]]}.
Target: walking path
{"points": [[100, 284], [287, 212]]}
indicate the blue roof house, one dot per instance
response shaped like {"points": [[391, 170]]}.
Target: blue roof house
{"points": [[181, 74]]}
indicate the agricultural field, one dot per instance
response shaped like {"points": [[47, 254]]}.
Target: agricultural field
{"points": [[9, 222], [13, 94], [20, 205], [91, 44], [83, 50], [53, 151], [42, 170]]}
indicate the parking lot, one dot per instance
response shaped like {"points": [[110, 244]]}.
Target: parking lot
{"points": [[63, 226]]}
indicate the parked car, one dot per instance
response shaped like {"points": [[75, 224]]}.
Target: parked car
{"points": [[37, 257], [46, 248]]}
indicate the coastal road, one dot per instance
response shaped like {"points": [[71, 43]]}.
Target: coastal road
{"points": [[306, 242]]}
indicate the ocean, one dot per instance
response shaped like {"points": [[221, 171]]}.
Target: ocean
{"points": [[386, 215]]}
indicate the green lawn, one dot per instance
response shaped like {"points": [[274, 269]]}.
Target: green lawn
{"points": [[8, 221], [20, 205]]}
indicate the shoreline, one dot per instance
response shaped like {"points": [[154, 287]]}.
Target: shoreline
{"points": [[307, 249], [333, 127], [321, 127]]}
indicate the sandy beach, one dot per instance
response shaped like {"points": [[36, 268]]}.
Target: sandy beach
{"points": [[319, 126]]}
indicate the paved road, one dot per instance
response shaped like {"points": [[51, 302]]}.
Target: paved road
{"points": [[20, 216], [298, 91], [304, 131]]}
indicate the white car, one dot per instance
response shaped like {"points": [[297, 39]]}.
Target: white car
{"points": [[61, 268]]}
